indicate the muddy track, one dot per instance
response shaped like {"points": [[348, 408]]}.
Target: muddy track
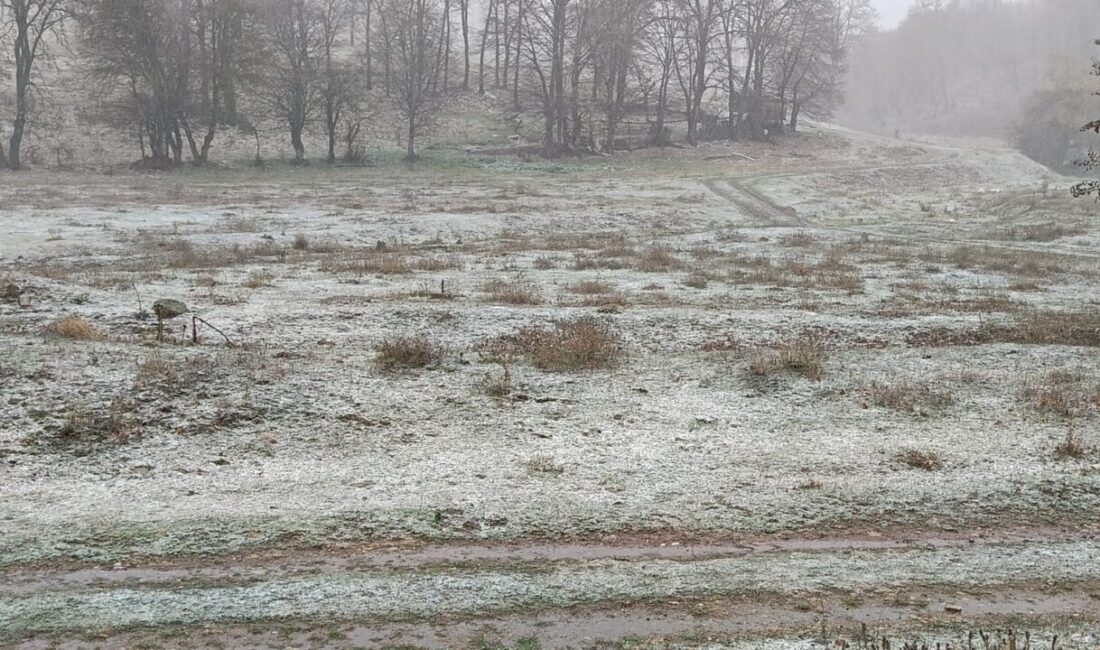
{"points": [[569, 594], [742, 192]]}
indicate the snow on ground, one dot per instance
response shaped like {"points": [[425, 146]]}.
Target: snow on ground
{"points": [[953, 291]]}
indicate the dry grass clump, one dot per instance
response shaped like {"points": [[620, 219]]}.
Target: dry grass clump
{"points": [[301, 242], [804, 355], [584, 262], [115, 424], [830, 272], [407, 353], [909, 397], [1033, 327], [433, 263], [498, 386], [729, 343], [928, 461], [992, 258], [591, 287], [1070, 448], [570, 345], [1039, 232], [544, 263], [376, 264], [156, 370], [607, 301], [544, 465], [1057, 328], [258, 280], [183, 255], [656, 260], [75, 328], [512, 292], [800, 239], [696, 281], [1063, 393]]}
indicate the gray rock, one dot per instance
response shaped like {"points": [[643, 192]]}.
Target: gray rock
{"points": [[167, 309]]}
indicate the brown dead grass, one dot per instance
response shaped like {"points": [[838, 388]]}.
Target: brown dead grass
{"points": [[407, 353], [116, 423], [591, 287], [928, 461], [1031, 327], [512, 292], [1070, 448], [75, 328], [804, 355], [1063, 393], [909, 397], [570, 345]]}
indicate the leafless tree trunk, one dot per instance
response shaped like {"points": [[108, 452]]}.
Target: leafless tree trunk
{"points": [[417, 64], [294, 39], [34, 23], [464, 12]]}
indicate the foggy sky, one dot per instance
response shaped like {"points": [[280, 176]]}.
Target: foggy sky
{"points": [[891, 12]]}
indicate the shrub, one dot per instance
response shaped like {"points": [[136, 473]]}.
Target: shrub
{"points": [[301, 242], [75, 328], [406, 353], [580, 344]]}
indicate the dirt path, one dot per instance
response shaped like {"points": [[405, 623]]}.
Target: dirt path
{"points": [[571, 594], [742, 192]]}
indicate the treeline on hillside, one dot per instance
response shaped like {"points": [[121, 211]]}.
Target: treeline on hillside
{"points": [[176, 72], [1011, 69]]}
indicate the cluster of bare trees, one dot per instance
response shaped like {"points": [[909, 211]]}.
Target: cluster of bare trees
{"points": [[176, 72], [977, 67], [591, 64]]}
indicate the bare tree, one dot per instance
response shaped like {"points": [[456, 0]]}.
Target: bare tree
{"points": [[663, 49], [289, 82], [142, 50], [417, 63], [339, 84], [33, 24], [700, 19], [217, 34], [549, 23], [464, 17]]}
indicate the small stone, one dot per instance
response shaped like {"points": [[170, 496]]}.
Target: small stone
{"points": [[953, 609]]}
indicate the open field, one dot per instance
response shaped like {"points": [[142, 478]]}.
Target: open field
{"points": [[680, 398]]}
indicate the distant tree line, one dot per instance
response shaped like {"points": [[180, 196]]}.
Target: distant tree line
{"points": [[1009, 69], [175, 72]]}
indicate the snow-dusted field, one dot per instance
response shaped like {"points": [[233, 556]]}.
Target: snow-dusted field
{"points": [[944, 286]]}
